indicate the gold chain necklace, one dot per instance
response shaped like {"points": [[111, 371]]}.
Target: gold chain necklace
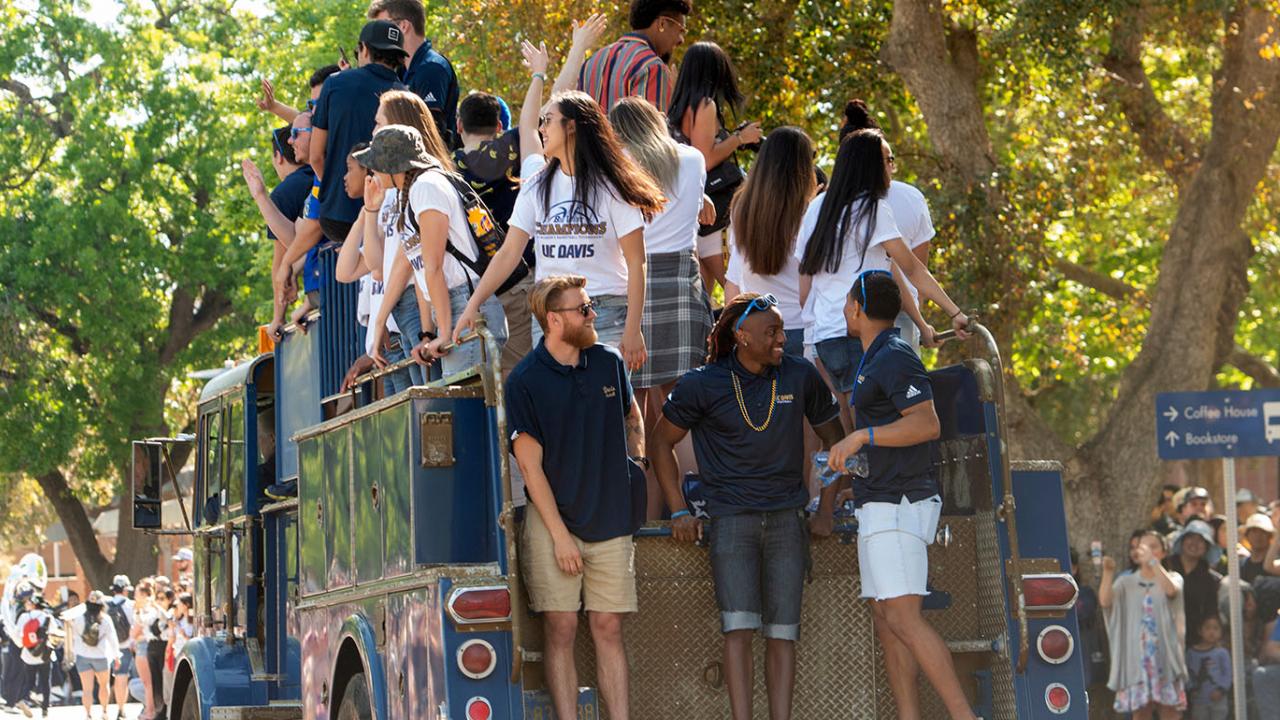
{"points": [[742, 405]]}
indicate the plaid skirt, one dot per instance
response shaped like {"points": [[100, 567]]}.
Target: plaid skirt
{"points": [[676, 320]]}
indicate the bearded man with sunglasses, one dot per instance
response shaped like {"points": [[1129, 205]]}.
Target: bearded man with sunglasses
{"points": [[578, 438], [746, 408]]}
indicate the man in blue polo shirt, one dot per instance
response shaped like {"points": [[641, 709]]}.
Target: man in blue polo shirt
{"points": [[574, 422], [747, 408], [899, 504], [428, 74], [344, 116]]}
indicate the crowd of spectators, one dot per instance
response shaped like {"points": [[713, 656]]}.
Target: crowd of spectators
{"points": [[113, 647], [1165, 609]]}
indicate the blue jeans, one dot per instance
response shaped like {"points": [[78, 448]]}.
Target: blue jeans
{"points": [[407, 318], [795, 342], [840, 356], [758, 562], [472, 353], [400, 380]]}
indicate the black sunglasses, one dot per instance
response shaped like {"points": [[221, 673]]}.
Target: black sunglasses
{"points": [[585, 309]]}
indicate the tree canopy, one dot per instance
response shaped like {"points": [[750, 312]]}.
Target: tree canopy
{"points": [[1103, 176]]}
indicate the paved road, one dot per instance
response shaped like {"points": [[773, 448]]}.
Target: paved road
{"points": [[76, 712]]}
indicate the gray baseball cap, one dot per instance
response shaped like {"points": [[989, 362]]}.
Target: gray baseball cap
{"points": [[395, 149]]}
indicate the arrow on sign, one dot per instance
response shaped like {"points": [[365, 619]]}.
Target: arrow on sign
{"points": [[1171, 414], [1171, 437]]}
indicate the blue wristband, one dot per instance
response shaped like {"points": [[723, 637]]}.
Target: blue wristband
{"points": [[871, 435], [679, 514]]}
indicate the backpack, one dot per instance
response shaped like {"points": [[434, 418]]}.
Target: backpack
{"points": [[92, 632], [35, 637], [486, 234], [115, 610]]}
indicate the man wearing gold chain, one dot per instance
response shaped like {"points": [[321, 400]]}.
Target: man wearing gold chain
{"points": [[746, 408]]}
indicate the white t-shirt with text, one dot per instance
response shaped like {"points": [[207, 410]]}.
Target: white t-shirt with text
{"points": [[432, 191], [823, 315], [570, 238]]}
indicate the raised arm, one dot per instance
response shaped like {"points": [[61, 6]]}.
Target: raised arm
{"points": [[535, 58], [374, 239], [279, 225], [269, 103], [350, 266], [1105, 590], [585, 35]]}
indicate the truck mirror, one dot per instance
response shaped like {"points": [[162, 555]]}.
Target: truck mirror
{"points": [[147, 476], [153, 468]]}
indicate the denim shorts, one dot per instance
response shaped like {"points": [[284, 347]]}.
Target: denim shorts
{"points": [[759, 561], [126, 661], [471, 353], [840, 356], [409, 321], [611, 320], [96, 665], [400, 380]]}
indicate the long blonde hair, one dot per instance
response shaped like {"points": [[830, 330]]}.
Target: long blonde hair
{"points": [[643, 129], [404, 108]]}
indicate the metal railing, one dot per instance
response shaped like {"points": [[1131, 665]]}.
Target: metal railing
{"points": [[341, 336]]}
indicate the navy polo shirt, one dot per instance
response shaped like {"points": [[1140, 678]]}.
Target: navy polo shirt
{"points": [[577, 415], [891, 379], [744, 470], [290, 196], [430, 76], [345, 109]]}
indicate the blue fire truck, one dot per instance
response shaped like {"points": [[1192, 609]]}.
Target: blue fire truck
{"points": [[389, 588]]}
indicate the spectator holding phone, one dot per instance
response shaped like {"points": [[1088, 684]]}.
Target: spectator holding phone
{"points": [[706, 88]]}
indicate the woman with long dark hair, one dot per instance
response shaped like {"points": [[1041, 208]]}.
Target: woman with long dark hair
{"points": [[584, 205], [706, 87], [766, 212], [848, 230], [910, 211]]}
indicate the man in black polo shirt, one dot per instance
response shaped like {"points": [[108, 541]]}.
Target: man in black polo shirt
{"points": [[898, 506], [343, 116], [747, 408], [574, 423]]}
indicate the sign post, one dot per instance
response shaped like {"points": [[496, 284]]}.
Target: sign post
{"points": [[1222, 424]]}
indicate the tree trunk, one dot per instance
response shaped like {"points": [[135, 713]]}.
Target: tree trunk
{"points": [[1202, 270], [84, 541]]}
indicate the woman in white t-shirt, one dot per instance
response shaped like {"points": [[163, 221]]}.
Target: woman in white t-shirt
{"points": [[431, 226], [766, 218], [95, 647], [847, 231], [910, 212], [677, 315], [584, 205]]}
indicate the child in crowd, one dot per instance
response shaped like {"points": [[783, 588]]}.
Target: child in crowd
{"points": [[1209, 673]]}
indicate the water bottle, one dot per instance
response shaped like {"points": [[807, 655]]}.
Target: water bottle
{"points": [[1095, 552], [854, 465]]}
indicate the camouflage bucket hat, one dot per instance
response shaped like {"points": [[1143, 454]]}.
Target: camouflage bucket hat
{"points": [[395, 149]]}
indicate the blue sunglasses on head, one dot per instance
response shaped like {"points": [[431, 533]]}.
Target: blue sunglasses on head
{"points": [[764, 302], [862, 283]]}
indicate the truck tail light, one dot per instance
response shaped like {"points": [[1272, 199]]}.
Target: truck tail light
{"points": [[479, 709], [1050, 591], [474, 606], [1055, 645], [1057, 698], [476, 659]]}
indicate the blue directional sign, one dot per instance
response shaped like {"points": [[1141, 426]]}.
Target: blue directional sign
{"points": [[1218, 424]]}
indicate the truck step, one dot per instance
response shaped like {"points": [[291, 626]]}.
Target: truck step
{"points": [[279, 711]]}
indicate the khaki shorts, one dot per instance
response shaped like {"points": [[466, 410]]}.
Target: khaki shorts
{"points": [[607, 583]]}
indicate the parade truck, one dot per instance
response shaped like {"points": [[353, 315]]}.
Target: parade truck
{"points": [[389, 588]]}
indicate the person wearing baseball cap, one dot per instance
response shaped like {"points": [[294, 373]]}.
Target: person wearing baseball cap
{"points": [[1192, 503], [182, 562], [344, 116], [428, 74]]}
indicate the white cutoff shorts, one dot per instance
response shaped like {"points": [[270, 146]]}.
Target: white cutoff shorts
{"points": [[893, 545]]}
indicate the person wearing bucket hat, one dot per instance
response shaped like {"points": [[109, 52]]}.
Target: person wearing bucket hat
{"points": [[344, 116], [442, 254], [1193, 557], [1259, 534]]}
